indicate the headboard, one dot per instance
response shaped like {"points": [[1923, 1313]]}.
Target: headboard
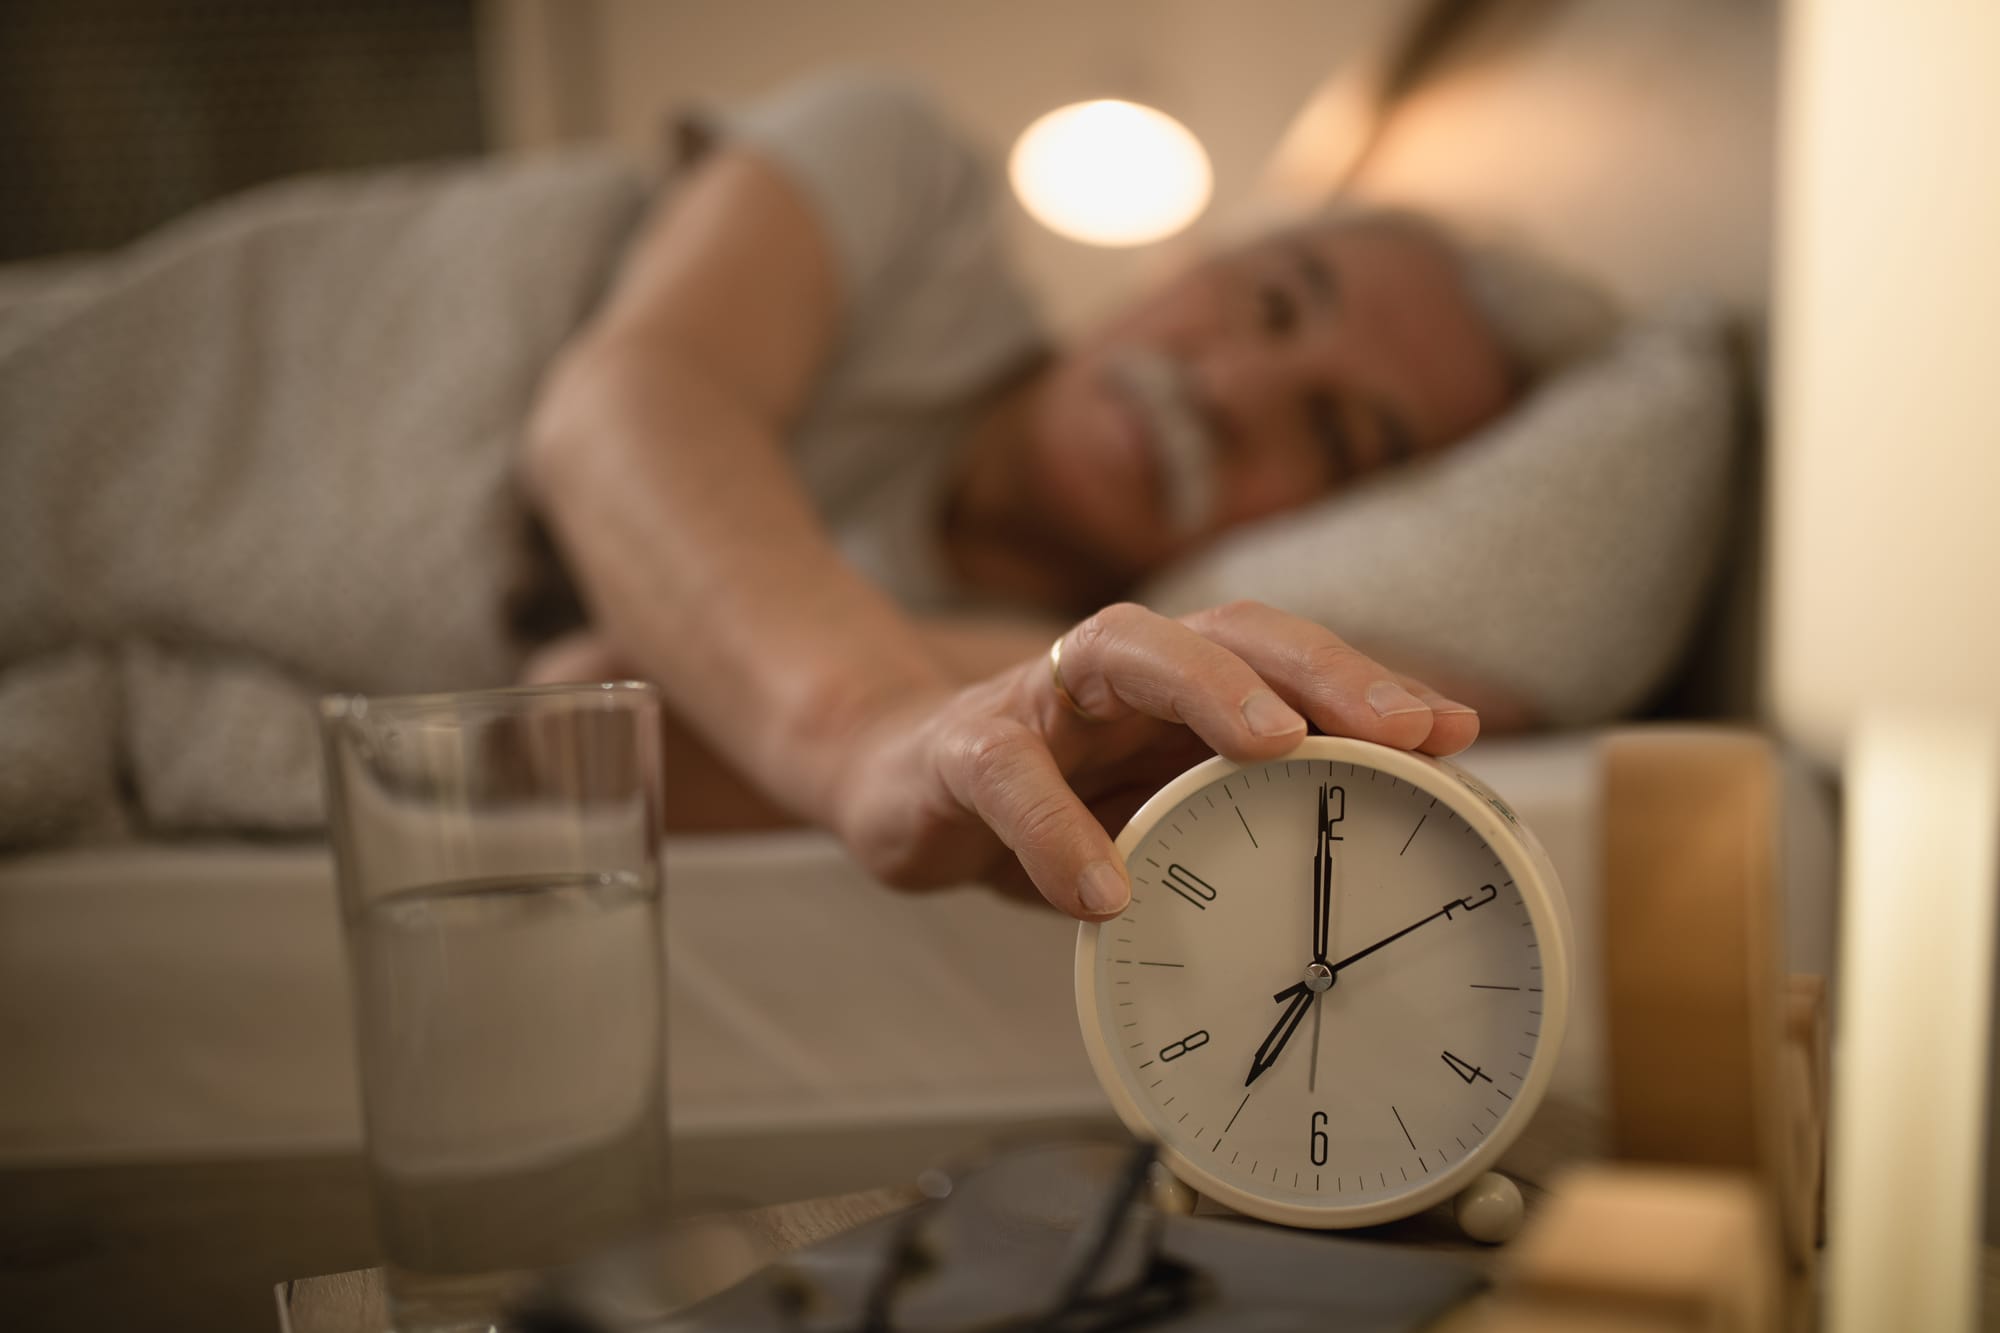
{"points": [[1631, 140]]}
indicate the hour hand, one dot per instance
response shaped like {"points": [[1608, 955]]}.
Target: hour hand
{"points": [[1298, 998]]}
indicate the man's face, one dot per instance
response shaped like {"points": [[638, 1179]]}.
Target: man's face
{"points": [[1257, 381]]}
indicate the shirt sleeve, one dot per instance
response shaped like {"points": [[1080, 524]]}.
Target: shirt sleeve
{"points": [[878, 165]]}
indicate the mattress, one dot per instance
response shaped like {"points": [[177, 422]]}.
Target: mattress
{"points": [[182, 1000]]}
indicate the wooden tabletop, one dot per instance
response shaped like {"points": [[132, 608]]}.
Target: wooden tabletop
{"points": [[728, 1246]]}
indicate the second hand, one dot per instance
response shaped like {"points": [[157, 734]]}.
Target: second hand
{"points": [[1312, 1070]]}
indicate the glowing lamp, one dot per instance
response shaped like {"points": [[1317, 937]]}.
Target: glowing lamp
{"points": [[1110, 173]]}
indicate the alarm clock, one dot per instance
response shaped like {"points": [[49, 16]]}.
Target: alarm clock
{"points": [[1338, 992]]}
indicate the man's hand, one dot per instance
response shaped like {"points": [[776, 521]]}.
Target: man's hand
{"points": [[1004, 783]]}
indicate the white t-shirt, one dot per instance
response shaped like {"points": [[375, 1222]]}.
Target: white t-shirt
{"points": [[932, 321]]}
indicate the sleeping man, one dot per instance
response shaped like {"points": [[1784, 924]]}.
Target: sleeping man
{"points": [[828, 287], [794, 449]]}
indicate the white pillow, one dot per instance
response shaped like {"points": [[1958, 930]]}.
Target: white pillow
{"points": [[1561, 554]]}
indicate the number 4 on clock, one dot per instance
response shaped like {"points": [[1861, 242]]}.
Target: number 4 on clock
{"points": [[1463, 1069]]}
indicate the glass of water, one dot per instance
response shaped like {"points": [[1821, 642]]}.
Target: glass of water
{"points": [[498, 858]]}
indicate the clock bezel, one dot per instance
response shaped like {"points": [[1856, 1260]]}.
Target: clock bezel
{"points": [[1541, 893]]}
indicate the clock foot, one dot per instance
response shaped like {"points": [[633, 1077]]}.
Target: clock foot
{"points": [[1169, 1194], [1489, 1209]]}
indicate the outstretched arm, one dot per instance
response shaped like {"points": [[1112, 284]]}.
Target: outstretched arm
{"points": [[655, 455]]}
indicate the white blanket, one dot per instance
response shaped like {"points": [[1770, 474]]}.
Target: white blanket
{"points": [[360, 354]]}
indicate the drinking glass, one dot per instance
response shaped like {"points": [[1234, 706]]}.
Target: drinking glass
{"points": [[498, 859]]}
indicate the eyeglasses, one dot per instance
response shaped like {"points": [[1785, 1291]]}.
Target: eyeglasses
{"points": [[1045, 1236], [1042, 1238]]}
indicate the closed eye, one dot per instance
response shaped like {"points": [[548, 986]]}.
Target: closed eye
{"points": [[1277, 310]]}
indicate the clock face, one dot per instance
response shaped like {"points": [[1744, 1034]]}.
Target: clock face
{"points": [[1339, 987]]}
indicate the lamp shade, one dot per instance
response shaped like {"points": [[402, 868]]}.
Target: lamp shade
{"points": [[1110, 173]]}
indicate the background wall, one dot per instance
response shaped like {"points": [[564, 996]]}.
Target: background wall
{"points": [[1629, 138], [1233, 73]]}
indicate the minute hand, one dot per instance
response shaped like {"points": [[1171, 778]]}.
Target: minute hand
{"points": [[1455, 905]]}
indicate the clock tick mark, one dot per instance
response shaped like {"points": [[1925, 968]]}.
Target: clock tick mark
{"points": [[1217, 1144], [1422, 1163], [1461, 1144], [1480, 985], [1147, 1063], [1232, 1157], [1504, 1093], [1184, 1116]]}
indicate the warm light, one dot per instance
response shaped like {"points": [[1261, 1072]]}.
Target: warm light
{"points": [[1110, 173]]}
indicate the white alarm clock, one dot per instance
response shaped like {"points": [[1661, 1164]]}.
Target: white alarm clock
{"points": [[1339, 990]]}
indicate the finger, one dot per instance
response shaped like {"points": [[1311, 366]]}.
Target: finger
{"points": [[1005, 774], [1127, 659], [1454, 725], [1343, 690]]}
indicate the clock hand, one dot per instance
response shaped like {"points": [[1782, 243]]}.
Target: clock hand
{"points": [[1456, 904], [1300, 997], [1322, 881], [1312, 1070]]}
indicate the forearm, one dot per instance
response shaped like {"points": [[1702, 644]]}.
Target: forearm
{"points": [[703, 563]]}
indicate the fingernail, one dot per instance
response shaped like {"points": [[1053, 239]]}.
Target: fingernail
{"points": [[1103, 890], [1268, 715], [1389, 699], [1453, 706]]}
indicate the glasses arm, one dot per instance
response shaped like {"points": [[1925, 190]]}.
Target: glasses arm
{"points": [[1108, 1225]]}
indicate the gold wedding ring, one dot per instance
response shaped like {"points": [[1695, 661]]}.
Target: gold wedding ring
{"points": [[1062, 690]]}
